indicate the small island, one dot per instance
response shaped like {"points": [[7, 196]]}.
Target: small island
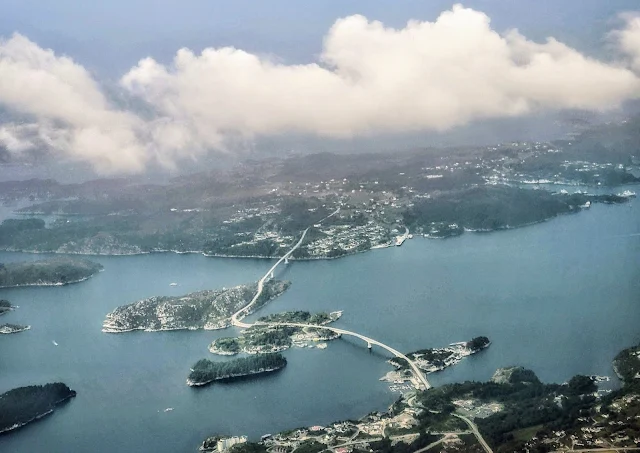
{"points": [[205, 371], [5, 307], [50, 272], [208, 309], [12, 328], [26, 404], [437, 359], [268, 335]]}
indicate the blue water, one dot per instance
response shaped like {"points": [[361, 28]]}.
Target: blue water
{"points": [[561, 298]]}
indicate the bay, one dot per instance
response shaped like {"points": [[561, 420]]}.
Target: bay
{"points": [[561, 298]]}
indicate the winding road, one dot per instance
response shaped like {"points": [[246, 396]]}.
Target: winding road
{"points": [[474, 429]]}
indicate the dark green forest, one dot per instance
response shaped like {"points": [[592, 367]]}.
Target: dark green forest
{"points": [[205, 370], [24, 404]]}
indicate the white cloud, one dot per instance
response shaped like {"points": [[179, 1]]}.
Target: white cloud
{"points": [[628, 39], [369, 79], [72, 115]]}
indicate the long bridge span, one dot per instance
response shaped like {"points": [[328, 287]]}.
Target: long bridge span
{"points": [[421, 378], [236, 318]]}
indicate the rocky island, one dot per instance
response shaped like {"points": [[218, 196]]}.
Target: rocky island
{"points": [[437, 359], [50, 272], [205, 371], [208, 309], [26, 404], [266, 336], [12, 328], [5, 307]]}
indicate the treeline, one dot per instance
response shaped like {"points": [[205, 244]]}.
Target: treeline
{"points": [[493, 207], [478, 343], [276, 336], [302, 317], [5, 306], [384, 445], [52, 271], [627, 363], [205, 371], [527, 403], [22, 405]]}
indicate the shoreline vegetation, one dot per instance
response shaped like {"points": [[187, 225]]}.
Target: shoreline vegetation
{"points": [[5, 307], [206, 371], [23, 405], [208, 309], [480, 209], [49, 272], [436, 359], [266, 336], [513, 411]]}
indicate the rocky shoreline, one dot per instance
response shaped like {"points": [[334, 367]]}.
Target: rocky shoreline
{"points": [[12, 328]]}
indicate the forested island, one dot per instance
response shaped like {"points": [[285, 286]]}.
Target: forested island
{"points": [[12, 328], [50, 272], [266, 337], [208, 309], [5, 307], [205, 371], [26, 404]]}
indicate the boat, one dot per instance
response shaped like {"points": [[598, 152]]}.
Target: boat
{"points": [[173, 284], [168, 409], [627, 194], [54, 342]]}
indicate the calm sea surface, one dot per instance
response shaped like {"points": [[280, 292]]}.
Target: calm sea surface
{"points": [[561, 298]]}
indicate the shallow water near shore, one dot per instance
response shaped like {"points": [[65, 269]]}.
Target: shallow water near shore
{"points": [[561, 298]]}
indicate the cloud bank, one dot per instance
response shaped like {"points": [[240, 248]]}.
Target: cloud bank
{"points": [[369, 79]]}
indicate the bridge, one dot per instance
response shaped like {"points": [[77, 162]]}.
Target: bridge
{"points": [[421, 379], [236, 318], [247, 308]]}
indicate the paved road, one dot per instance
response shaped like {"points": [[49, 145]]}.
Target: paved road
{"points": [[476, 433], [247, 309], [237, 316]]}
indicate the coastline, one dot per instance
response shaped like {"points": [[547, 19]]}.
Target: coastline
{"points": [[49, 284], [191, 383], [39, 416]]}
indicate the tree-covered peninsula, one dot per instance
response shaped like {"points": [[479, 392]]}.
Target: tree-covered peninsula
{"points": [[50, 272], [26, 404], [206, 371], [208, 309]]}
